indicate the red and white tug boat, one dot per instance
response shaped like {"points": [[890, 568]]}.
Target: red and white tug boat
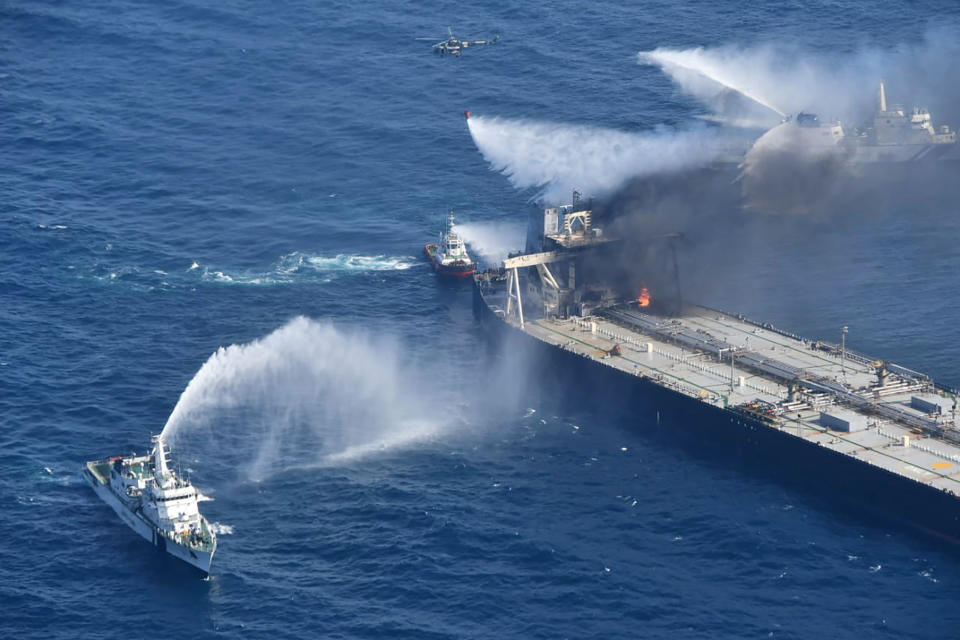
{"points": [[449, 256]]}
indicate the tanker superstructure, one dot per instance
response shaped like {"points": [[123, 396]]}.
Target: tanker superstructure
{"points": [[877, 432], [158, 504]]}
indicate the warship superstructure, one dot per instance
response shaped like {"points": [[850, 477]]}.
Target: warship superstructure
{"points": [[157, 503], [869, 429], [895, 135]]}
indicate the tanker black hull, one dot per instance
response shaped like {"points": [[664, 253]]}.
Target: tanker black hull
{"points": [[842, 482]]}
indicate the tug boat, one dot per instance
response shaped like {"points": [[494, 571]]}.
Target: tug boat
{"points": [[449, 256], [156, 503]]}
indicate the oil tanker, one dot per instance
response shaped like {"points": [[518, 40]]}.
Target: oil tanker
{"points": [[851, 426]]}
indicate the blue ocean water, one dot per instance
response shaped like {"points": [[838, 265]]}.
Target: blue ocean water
{"points": [[181, 176]]}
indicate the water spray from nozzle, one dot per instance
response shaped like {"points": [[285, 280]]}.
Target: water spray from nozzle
{"points": [[306, 394]]}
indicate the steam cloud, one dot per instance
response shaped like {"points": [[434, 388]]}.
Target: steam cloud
{"points": [[493, 241], [307, 394]]}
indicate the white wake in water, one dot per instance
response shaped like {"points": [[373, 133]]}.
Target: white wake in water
{"points": [[308, 394], [559, 158], [346, 262], [304, 267]]}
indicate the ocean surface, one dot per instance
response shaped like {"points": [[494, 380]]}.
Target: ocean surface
{"points": [[182, 176]]}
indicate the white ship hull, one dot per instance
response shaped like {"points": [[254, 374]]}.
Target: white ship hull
{"points": [[146, 530], [902, 153]]}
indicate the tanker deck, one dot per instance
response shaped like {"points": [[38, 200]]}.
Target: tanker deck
{"points": [[882, 433]]}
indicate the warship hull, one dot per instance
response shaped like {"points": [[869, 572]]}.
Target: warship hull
{"points": [[839, 479], [133, 518]]}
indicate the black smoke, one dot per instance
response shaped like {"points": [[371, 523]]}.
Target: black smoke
{"points": [[693, 234]]}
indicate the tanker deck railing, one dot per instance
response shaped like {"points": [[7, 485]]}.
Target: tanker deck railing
{"points": [[783, 372], [848, 354]]}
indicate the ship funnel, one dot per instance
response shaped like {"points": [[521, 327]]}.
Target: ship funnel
{"points": [[882, 98]]}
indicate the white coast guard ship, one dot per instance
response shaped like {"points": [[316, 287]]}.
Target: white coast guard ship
{"points": [[156, 503]]}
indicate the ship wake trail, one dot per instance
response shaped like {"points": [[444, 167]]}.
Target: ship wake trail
{"points": [[558, 158], [306, 395]]}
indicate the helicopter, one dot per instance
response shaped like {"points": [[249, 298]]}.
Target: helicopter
{"points": [[454, 45]]}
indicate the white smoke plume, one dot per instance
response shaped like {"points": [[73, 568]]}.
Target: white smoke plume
{"points": [[558, 158]]}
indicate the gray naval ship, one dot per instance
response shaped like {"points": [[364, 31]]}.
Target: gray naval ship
{"points": [[895, 135], [856, 428], [156, 503]]}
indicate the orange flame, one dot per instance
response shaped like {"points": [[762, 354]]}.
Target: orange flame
{"points": [[643, 299]]}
